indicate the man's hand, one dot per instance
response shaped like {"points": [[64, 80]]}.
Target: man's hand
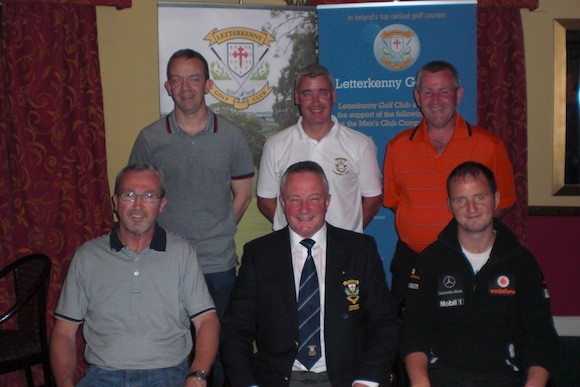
{"points": [[537, 377], [192, 381], [416, 364]]}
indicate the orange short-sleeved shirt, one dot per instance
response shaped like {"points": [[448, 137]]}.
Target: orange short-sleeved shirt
{"points": [[415, 177]]}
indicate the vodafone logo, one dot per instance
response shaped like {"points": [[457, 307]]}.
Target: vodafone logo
{"points": [[503, 281]]}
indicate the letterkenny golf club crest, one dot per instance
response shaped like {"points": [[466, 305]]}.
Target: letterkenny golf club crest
{"points": [[239, 68], [396, 47]]}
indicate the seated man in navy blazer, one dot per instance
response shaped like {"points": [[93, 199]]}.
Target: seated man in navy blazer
{"points": [[312, 298]]}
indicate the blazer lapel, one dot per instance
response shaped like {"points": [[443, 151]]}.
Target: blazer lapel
{"points": [[336, 262]]}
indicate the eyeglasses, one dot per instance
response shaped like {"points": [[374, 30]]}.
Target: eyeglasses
{"points": [[148, 197]]}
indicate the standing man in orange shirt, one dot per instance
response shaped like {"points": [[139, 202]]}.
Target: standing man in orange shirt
{"points": [[418, 161]]}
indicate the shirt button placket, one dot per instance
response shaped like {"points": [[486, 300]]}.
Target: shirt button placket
{"points": [[136, 280]]}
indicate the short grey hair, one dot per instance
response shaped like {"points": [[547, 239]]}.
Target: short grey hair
{"points": [[436, 66], [303, 167], [313, 71], [140, 167]]}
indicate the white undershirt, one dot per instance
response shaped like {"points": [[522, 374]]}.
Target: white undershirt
{"points": [[477, 260]]}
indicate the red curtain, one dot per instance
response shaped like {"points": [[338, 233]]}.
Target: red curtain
{"points": [[501, 82], [54, 192], [502, 98]]}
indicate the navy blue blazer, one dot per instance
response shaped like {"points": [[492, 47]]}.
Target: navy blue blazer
{"points": [[361, 327]]}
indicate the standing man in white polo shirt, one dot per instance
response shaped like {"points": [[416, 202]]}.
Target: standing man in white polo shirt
{"points": [[348, 157]]}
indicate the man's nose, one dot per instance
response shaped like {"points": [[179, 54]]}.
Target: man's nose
{"points": [[436, 97], [187, 84], [138, 201], [470, 205]]}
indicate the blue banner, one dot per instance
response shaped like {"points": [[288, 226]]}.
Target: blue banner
{"points": [[374, 51]]}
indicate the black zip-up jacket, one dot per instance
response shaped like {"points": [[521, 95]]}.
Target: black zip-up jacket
{"points": [[493, 321]]}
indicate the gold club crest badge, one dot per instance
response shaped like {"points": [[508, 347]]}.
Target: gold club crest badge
{"points": [[240, 70], [352, 290]]}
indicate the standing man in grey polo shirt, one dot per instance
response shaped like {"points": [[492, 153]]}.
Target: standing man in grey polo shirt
{"points": [[207, 164], [136, 291], [209, 170]]}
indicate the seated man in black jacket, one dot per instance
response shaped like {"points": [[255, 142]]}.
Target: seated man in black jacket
{"points": [[312, 297], [478, 311]]}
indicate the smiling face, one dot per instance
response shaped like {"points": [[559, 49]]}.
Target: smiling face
{"points": [[187, 85], [473, 204], [305, 199], [137, 219], [315, 97], [438, 98]]}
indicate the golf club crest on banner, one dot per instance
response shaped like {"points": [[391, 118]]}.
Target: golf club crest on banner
{"points": [[396, 47], [239, 68]]}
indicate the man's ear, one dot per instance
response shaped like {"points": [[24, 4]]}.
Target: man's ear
{"points": [[208, 85], [115, 200], [167, 88], [459, 96], [416, 97], [163, 204]]}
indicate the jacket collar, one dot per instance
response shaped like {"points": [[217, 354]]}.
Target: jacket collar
{"points": [[505, 240]]}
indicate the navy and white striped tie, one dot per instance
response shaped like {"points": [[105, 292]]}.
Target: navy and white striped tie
{"points": [[309, 350]]}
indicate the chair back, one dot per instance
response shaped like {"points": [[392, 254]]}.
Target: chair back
{"points": [[23, 342], [29, 278]]}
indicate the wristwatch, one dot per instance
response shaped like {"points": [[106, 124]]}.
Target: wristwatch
{"points": [[199, 375]]}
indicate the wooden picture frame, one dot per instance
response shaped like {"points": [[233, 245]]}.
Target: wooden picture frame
{"points": [[565, 181]]}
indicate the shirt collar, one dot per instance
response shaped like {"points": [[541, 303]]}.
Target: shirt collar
{"points": [[158, 242], [462, 129], [210, 126], [319, 237], [332, 134]]}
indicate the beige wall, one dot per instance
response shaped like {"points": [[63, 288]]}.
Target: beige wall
{"points": [[128, 54], [539, 45], [128, 57]]}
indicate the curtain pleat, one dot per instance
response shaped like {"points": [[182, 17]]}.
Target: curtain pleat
{"points": [[502, 98], [54, 192]]}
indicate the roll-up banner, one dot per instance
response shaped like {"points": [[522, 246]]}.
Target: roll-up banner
{"points": [[374, 51]]}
